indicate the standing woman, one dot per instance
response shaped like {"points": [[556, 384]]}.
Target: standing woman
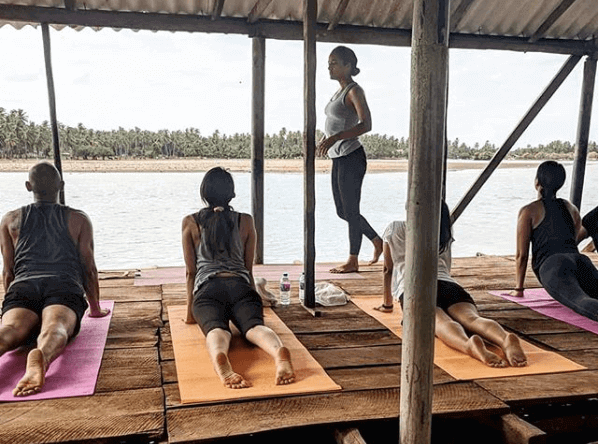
{"points": [[348, 117], [218, 247], [554, 228]]}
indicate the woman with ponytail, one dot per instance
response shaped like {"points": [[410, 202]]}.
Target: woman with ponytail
{"points": [[348, 117], [554, 228], [455, 312], [218, 247]]}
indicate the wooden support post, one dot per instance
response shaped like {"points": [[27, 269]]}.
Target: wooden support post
{"points": [[517, 431], [534, 110], [582, 133], [257, 191], [428, 108], [52, 103], [348, 436], [310, 11]]}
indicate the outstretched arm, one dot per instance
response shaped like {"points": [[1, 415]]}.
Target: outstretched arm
{"points": [[8, 249], [250, 245], [387, 279], [85, 244], [190, 235], [523, 234]]}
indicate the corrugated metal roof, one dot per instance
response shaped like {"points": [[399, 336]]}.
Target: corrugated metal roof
{"points": [[509, 18]]}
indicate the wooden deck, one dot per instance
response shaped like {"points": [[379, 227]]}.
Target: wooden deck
{"points": [[137, 397]]}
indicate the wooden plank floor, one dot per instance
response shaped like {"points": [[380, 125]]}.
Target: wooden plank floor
{"points": [[137, 397]]}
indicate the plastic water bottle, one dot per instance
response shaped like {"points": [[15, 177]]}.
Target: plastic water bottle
{"points": [[285, 290], [302, 287]]}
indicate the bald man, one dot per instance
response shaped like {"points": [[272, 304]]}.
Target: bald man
{"points": [[49, 268]]}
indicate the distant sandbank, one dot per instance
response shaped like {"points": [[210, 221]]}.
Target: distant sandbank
{"points": [[237, 165]]}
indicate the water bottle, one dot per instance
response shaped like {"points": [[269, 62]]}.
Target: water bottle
{"points": [[285, 289], [302, 287]]}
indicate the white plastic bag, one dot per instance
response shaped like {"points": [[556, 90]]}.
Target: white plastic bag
{"points": [[327, 294]]}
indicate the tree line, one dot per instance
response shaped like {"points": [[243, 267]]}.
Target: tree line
{"points": [[21, 138]]}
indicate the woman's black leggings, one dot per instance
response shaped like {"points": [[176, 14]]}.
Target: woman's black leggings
{"points": [[571, 278], [346, 178]]}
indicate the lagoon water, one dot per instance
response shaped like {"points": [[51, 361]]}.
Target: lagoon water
{"points": [[137, 216]]}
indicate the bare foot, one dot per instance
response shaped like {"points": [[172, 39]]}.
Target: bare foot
{"points": [[349, 267], [384, 309], [513, 351], [378, 250], [229, 378], [285, 373], [34, 377], [477, 349]]}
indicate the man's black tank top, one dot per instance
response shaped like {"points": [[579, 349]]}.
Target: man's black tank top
{"points": [[555, 233], [45, 248]]}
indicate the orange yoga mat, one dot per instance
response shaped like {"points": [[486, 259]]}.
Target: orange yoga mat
{"points": [[464, 367], [198, 383]]}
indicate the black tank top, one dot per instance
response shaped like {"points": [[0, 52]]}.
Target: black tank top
{"points": [[45, 248], [555, 233]]}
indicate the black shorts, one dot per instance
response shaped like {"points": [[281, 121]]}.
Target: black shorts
{"points": [[448, 293], [223, 299], [39, 293]]}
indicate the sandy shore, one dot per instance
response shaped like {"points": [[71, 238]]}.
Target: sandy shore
{"points": [[237, 165]]}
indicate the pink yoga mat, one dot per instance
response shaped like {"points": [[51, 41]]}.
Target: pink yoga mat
{"points": [[539, 300], [73, 373], [272, 273]]}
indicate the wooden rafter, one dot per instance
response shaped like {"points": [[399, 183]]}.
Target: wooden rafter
{"points": [[550, 21], [217, 9], [257, 10], [341, 7], [459, 13], [279, 30]]}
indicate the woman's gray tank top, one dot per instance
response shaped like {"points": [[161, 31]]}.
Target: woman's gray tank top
{"points": [[341, 118], [208, 263], [45, 248]]}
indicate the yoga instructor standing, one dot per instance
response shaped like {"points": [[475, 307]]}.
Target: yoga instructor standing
{"points": [[348, 117]]}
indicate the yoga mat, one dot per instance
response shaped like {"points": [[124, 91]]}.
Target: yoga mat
{"points": [[464, 367], [73, 373], [538, 299], [198, 382], [272, 274]]}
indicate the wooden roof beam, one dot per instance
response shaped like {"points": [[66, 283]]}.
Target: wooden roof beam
{"points": [[459, 13], [217, 9], [341, 7], [279, 30], [550, 21], [258, 10]]}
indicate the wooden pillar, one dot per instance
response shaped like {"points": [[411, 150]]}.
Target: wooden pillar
{"points": [[582, 134], [310, 11], [257, 188], [428, 108], [52, 103], [534, 110]]}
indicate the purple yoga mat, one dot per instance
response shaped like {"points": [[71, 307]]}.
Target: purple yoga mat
{"points": [[539, 300], [73, 373]]}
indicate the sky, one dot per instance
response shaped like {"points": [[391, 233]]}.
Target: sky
{"points": [[109, 79]]}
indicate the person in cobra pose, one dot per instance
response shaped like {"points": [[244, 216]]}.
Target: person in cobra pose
{"points": [[554, 229], [348, 117], [49, 268], [218, 247], [456, 313]]}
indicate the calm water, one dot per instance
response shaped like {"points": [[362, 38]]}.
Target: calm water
{"points": [[137, 216]]}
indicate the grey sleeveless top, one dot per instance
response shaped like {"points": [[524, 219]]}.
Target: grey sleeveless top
{"points": [[45, 248], [208, 263], [341, 118]]}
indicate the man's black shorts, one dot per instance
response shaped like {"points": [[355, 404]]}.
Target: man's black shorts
{"points": [[39, 293]]}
